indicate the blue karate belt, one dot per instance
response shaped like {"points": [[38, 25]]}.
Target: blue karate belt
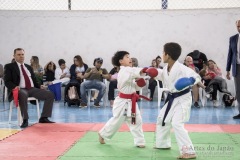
{"points": [[170, 98]]}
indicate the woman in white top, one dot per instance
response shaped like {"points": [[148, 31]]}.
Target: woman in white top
{"points": [[78, 69]]}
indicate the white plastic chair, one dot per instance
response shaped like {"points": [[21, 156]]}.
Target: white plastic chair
{"points": [[19, 116], [202, 96], [5, 93]]}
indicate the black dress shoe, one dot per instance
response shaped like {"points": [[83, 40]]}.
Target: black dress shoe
{"points": [[24, 124], [237, 116], [45, 120]]}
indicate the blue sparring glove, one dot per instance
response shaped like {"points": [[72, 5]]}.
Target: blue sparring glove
{"points": [[184, 82]]}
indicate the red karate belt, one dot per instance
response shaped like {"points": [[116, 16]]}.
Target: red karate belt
{"points": [[134, 97]]}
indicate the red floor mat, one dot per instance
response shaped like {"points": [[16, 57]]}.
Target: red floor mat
{"points": [[48, 141], [26, 158], [42, 140], [231, 128]]}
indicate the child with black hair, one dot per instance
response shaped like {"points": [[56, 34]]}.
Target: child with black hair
{"points": [[125, 108], [176, 110], [62, 73]]}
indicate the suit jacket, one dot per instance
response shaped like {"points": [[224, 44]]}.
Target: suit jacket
{"points": [[12, 77], [232, 55]]}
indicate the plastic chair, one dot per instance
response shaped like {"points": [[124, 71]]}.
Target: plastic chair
{"points": [[19, 116], [203, 97]]}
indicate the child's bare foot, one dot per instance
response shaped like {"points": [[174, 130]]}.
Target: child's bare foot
{"points": [[187, 156], [101, 140], [141, 146]]}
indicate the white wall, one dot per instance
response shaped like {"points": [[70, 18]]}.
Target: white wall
{"points": [[52, 35]]}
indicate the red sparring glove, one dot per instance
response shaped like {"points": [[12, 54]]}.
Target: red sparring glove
{"points": [[144, 69], [152, 72], [140, 82]]}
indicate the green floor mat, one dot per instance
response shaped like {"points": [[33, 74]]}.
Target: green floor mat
{"points": [[209, 146]]}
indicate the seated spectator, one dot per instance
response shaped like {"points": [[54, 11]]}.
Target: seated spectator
{"points": [[195, 89], [215, 80], [49, 70], [199, 59], [213, 68], [112, 84], [18, 75], [37, 69], [158, 61], [134, 62], [78, 69], [152, 82], [94, 80], [213, 72], [189, 62], [62, 73]]}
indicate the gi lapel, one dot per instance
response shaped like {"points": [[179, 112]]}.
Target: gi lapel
{"points": [[173, 74]]}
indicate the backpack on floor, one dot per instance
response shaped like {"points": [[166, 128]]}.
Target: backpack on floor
{"points": [[72, 94]]}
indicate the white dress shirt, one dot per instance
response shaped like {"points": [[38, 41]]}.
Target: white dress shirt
{"points": [[238, 49], [22, 79]]}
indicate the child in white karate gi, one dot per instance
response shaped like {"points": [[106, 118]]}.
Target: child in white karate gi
{"points": [[174, 115], [123, 104]]}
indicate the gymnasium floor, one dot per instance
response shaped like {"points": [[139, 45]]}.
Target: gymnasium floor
{"points": [[214, 133]]}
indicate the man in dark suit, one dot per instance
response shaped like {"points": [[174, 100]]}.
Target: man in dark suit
{"points": [[20, 76], [234, 61]]}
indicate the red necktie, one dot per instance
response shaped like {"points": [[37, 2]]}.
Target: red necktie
{"points": [[27, 80]]}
